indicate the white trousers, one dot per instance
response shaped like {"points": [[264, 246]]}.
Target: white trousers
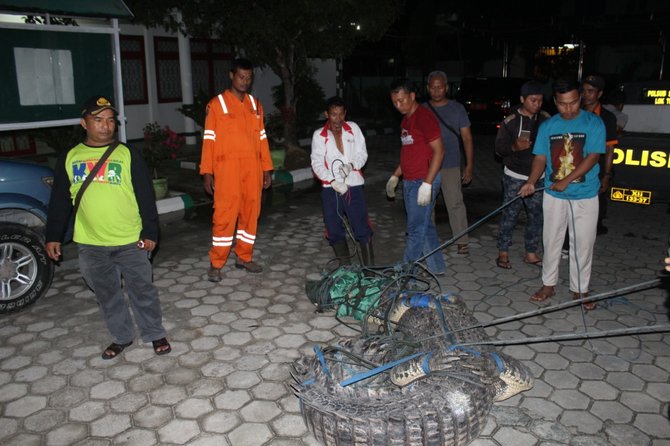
{"points": [[580, 217]]}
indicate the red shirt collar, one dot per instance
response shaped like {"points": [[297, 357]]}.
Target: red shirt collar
{"points": [[346, 127]]}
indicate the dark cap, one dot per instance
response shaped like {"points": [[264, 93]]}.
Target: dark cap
{"points": [[596, 81], [531, 87], [96, 104]]}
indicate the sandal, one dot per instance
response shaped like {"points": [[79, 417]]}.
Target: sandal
{"points": [[463, 249], [503, 261], [543, 294], [537, 262], [159, 343], [114, 349], [588, 306]]}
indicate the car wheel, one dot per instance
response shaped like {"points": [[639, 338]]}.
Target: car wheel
{"points": [[25, 270]]}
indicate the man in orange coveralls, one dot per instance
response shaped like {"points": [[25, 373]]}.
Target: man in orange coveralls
{"points": [[235, 166]]}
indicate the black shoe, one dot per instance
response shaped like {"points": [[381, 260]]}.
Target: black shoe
{"points": [[250, 266], [214, 274]]}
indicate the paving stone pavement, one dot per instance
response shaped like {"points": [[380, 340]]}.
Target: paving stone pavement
{"points": [[227, 379]]}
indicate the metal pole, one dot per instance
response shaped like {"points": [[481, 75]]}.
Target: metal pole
{"points": [[505, 66], [664, 43], [118, 80], [580, 72], [186, 77]]}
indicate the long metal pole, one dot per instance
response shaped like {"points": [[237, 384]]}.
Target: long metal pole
{"points": [[118, 80], [580, 70], [664, 43], [505, 67]]}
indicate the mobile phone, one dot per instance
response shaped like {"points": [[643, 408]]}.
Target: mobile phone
{"points": [[524, 134]]}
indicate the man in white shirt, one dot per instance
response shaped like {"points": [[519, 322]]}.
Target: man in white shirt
{"points": [[338, 155]]}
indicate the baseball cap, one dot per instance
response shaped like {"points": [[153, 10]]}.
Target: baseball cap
{"points": [[596, 81], [96, 104]]}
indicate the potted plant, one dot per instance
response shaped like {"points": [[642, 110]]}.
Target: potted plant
{"points": [[160, 144]]}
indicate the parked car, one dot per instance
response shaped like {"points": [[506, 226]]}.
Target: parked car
{"points": [[25, 269], [488, 99]]}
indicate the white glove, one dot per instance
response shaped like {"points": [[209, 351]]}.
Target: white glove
{"points": [[339, 187], [391, 184], [425, 194], [345, 170]]}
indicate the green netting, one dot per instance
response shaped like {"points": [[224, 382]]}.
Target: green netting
{"points": [[354, 293]]}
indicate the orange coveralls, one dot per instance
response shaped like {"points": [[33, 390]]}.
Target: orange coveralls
{"points": [[235, 150]]}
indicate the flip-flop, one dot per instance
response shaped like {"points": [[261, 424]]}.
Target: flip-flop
{"points": [[504, 264], [537, 262], [463, 249], [588, 306], [541, 295], [162, 342], [115, 349]]}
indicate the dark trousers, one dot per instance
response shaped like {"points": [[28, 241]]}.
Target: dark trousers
{"points": [[103, 267], [350, 205]]}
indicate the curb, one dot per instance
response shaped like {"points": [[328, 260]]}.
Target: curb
{"points": [[284, 177], [176, 206], [279, 177]]}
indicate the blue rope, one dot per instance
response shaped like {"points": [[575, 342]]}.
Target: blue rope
{"points": [[365, 375]]}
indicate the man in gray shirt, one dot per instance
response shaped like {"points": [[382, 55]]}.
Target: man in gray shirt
{"points": [[454, 122]]}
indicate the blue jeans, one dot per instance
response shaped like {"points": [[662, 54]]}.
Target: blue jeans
{"points": [[533, 207], [421, 232], [102, 268]]}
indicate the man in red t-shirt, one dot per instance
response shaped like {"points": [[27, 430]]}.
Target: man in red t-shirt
{"points": [[420, 161]]}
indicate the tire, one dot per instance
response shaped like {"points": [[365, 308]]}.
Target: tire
{"points": [[26, 271]]}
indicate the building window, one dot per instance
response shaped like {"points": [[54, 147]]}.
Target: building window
{"points": [[210, 64], [133, 70], [167, 69]]}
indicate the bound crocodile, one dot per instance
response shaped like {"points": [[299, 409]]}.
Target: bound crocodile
{"points": [[415, 385]]}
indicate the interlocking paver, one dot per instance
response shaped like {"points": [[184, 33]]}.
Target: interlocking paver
{"points": [[66, 435], [67, 397], [250, 434], [87, 411], [654, 425], [584, 422], [587, 371], [44, 420], [625, 435], [611, 410], [136, 437], [152, 416], [561, 379], [145, 382], [23, 440], [107, 390], [221, 421], [168, 395], [110, 425], [209, 440], [129, 402], [639, 402], [625, 381], [8, 427], [550, 431], [650, 373], [178, 431], [193, 408], [599, 390], [506, 435]]}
